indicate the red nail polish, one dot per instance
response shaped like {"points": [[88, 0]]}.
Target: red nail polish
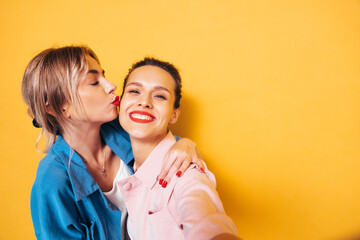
{"points": [[202, 169], [161, 181], [164, 184], [178, 173]]}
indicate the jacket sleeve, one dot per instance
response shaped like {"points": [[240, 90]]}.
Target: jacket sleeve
{"points": [[53, 207], [200, 210]]}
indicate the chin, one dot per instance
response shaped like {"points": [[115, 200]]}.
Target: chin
{"points": [[113, 116], [137, 134]]}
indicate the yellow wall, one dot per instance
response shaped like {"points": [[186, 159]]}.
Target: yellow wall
{"points": [[271, 96]]}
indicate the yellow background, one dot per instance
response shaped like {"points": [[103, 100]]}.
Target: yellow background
{"points": [[271, 96]]}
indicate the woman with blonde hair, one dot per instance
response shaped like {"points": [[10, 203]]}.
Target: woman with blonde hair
{"points": [[75, 105]]}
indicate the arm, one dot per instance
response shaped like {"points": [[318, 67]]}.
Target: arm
{"points": [[225, 236], [178, 159], [199, 208]]}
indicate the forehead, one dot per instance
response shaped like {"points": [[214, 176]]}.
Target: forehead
{"points": [[92, 63], [152, 74]]}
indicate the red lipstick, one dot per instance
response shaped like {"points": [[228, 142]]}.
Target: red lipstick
{"points": [[116, 101], [141, 117]]}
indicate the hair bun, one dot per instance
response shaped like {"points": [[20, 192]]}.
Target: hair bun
{"points": [[35, 123]]}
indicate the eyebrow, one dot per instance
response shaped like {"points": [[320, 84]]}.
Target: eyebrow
{"points": [[157, 87], [94, 71]]}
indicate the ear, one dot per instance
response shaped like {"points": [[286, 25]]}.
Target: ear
{"points": [[51, 111], [175, 116], [65, 110]]}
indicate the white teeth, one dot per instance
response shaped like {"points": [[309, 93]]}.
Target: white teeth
{"points": [[142, 117]]}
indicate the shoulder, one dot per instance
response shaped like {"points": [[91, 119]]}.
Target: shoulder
{"points": [[193, 173], [195, 181], [51, 176], [52, 193]]}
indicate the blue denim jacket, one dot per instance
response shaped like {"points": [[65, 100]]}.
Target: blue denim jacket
{"points": [[66, 202]]}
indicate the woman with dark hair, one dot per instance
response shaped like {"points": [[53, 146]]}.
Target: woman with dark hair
{"points": [[190, 207], [70, 98]]}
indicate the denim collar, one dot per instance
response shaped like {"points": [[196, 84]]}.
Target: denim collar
{"points": [[81, 180]]}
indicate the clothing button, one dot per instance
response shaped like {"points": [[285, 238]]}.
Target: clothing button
{"points": [[126, 187]]}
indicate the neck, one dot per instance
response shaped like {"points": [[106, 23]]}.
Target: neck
{"points": [[86, 141], [142, 148]]}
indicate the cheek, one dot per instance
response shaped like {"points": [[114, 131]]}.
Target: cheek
{"points": [[122, 112], [122, 103], [126, 103], [169, 112], [89, 100], [166, 117], [122, 109], [87, 105]]}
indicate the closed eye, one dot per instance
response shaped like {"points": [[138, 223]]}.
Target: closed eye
{"points": [[95, 83], [134, 91], [160, 96]]}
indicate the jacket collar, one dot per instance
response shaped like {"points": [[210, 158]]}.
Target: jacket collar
{"points": [[118, 140], [151, 167], [81, 180]]}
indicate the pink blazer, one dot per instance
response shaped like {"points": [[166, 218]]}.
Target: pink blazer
{"points": [[188, 208]]}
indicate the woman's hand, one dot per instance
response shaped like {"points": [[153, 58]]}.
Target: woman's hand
{"points": [[226, 236], [178, 159]]}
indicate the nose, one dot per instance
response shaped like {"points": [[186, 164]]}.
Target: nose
{"points": [[109, 87], [145, 101]]}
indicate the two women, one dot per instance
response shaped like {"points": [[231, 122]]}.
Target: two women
{"points": [[70, 98]]}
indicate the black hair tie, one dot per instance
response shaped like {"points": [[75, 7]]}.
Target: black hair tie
{"points": [[36, 124]]}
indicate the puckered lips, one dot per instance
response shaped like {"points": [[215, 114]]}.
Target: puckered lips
{"points": [[116, 101], [141, 117]]}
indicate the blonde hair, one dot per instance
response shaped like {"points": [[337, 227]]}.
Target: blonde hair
{"points": [[51, 80]]}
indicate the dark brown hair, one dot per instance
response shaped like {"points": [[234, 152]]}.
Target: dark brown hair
{"points": [[168, 67]]}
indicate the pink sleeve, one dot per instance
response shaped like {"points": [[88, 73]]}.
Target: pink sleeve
{"points": [[199, 207]]}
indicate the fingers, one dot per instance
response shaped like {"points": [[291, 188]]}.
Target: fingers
{"points": [[178, 159], [198, 160], [178, 168], [165, 167], [175, 163]]}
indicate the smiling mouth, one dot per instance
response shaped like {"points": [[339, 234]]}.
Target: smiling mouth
{"points": [[141, 117]]}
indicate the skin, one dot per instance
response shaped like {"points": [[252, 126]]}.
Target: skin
{"points": [[225, 236], [150, 89], [97, 94], [149, 93]]}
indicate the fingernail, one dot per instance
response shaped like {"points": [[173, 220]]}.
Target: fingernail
{"points": [[161, 181], [202, 169], [178, 173], [164, 184]]}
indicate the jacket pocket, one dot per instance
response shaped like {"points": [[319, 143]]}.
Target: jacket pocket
{"points": [[86, 229], [163, 226]]}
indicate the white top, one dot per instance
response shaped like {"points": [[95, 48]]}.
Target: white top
{"points": [[115, 196]]}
